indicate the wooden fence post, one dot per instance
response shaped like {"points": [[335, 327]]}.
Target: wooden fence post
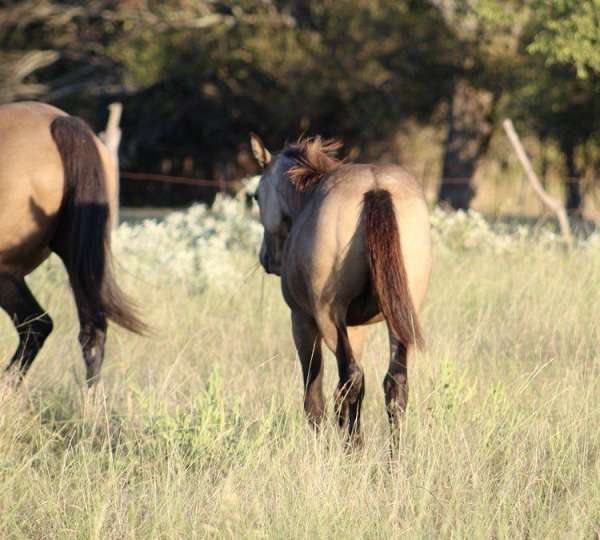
{"points": [[546, 198], [111, 137]]}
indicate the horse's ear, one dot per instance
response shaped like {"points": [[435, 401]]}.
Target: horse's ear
{"points": [[262, 155]]}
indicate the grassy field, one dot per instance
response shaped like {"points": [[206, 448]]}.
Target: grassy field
{"points": [[198, 431]]}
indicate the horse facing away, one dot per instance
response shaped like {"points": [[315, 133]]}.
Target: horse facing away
{"points": [[352, 246], [56, 185]]}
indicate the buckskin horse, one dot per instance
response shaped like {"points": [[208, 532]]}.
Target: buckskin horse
{"points": [[351, 243], [56, 186]]}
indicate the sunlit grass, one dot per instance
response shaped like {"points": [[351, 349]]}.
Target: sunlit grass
{"points": [[198, 431]]}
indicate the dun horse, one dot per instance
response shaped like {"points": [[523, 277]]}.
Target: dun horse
{"points": [[56, 184], [352, 246]]}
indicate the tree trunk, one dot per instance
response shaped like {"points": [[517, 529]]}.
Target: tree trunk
{"points": [[469, 132], [574, 203]]}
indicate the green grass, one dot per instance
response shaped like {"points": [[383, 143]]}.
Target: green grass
{"points": [[198, 431]]}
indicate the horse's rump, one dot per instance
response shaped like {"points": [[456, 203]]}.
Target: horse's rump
{"points": [[386, 264]]}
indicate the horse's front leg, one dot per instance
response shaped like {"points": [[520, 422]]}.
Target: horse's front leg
{"points": [[32, 323], [351, 387], [308, 344]]}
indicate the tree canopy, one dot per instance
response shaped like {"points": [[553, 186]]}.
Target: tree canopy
{"points": [[569, 33], [196, 76]]}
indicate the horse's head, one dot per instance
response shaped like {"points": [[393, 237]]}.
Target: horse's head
{"points": [[287, 177], [274, 208]]}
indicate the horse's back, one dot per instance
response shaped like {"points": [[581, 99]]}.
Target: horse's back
{"points": [[31, 185]]}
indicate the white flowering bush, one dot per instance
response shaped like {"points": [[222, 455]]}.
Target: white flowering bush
{"points": [[197, 245], [467, 231], [202, 246]]}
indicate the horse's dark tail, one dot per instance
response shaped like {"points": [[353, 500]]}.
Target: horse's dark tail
{"points": [[86, 220], [388, 273]]}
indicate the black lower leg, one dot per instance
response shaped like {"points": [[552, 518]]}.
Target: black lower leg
{"points": [[32, 335], [32, 323], [312, 371], [308, 344], [92, 338], [395, 384], [351, 388]]}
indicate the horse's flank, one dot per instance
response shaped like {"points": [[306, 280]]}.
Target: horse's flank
{"points": [[31, 197]]}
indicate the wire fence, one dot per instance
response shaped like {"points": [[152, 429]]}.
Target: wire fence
{"points": [[218, 184], [190, 181], [499, 197]]}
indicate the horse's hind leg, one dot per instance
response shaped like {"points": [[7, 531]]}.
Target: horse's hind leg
{"points": [[92, 324], [308, 343], [92, 338], [395, 386], [32, 323], [351, 387]]}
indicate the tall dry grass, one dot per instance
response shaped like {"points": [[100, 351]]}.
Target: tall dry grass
{"points": [[198, 431]]}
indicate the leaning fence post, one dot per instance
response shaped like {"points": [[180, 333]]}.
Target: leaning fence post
{"points": [[111, 137], [546, 198]]}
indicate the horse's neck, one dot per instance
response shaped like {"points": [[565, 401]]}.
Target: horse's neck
{"points": [[297, 201], [291, 200]]}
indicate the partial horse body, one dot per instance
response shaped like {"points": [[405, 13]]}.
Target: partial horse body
{"points": [[56, 185], [352, 246]]}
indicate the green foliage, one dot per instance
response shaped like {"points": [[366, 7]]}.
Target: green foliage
{"points": [[562, 31], [569, 33]]}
